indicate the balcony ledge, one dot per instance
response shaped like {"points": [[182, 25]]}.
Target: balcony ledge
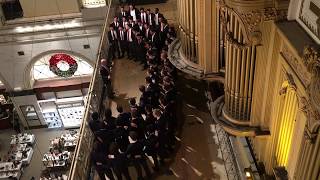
{"points": [[229, 126]]}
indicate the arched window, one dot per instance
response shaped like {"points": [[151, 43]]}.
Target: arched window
{"points": [[41, 68]]}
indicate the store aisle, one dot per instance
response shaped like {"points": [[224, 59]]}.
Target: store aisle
{"points": [[41, 146]]}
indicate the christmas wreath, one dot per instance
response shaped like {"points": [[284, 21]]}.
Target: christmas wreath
{"points": [[63, 58]]}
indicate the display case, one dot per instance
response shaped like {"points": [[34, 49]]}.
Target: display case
{"points": [[71, 111], [52, 119], [29, 112], [50, 113]]}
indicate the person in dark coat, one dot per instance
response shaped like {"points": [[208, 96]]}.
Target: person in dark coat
{"points": [[94, 123], [150, 18], [105, 73], [113, 42], [136, 155], [109, 123], [101, 162], [145, 97], [122, 34], [152, 145], [122, 13], [160, 132], [119, 162], [123, 119]]}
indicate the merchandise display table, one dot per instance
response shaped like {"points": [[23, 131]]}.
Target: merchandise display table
{"points": [[9, 171], [67, 140], [56, 160], [23, 139], [25, 159], [70, 139]]}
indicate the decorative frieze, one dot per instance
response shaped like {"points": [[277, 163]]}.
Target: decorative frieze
{"points": [[313, 118], [296, 64]]}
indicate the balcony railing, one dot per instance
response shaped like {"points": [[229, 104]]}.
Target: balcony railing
{"points": [[80, 166]]}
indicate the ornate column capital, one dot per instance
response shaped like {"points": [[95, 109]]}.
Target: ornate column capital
{"points": [[313, 118], [311, 59]]}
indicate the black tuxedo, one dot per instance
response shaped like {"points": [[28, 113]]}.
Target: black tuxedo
{"points": [[150, 21], [113, 44], [140, 50], [155, 19], [123, 14], [136, 13], [144, 17], [147, 34], [130, 41], [116, 24], [105, 72], [136, 154], [122, 36], [156, 40]]}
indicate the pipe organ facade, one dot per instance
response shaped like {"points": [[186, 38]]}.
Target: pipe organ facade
{"points": [[271, 71]]}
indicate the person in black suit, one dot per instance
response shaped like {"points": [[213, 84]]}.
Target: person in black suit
{"points": [[109, 122], [157, 15], [145, 98], [122, 13], [143, 16], [152, 145], [141, 27], [130, 39], [134, 13], [101, 162], [122, 34], [169, 116], [160, 132], [150, 18], [95, 124], [105, 73], [147, 34], [155, 39], [136, 155], [124, 22], [115, 23], [119, 161], [123, 119], [140, 51], [113, 42], [164, 29]]}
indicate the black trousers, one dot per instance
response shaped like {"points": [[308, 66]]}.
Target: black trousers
{"points": [[119, 171], [141, 162], [123, 47], [131, 50], [108, 86], [105, 171], [113, 49]]}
